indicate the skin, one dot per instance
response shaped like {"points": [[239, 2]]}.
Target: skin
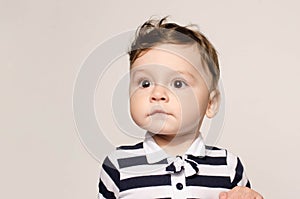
{"points": [[240, 193], [169, 98]]}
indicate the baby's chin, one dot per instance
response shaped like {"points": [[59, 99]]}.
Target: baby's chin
{"points": [[160, 126], [170, 129], [167, 125], [158, 129]]}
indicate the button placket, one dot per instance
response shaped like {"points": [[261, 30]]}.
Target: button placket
{"points": [[178, 185]]}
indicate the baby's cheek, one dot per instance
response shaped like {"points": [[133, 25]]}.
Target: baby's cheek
{"points": [[137, 110], [190, 110], [188, 101]]}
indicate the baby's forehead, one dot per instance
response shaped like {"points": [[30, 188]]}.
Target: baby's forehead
{"points": [[173, 56], [170, 55], [162, 71], [188, 52]]}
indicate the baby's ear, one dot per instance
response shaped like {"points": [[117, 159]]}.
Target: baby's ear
{"points": [[213, 103]]}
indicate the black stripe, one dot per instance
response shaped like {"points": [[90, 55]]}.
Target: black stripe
{"points": [[209, 181], [239, 169], [105, 192], [137, 146], [111, 170], [145, 181], [248, 184], [212, 148], [209, 160], [136, 161]]}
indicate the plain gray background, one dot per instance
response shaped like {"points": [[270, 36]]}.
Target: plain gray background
{"points": [[43, 44]]}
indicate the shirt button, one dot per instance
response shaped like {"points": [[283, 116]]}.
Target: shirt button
{"points": [[179, 186]]}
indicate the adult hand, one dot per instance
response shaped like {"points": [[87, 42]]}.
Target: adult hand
{"points": [[240, 193]]}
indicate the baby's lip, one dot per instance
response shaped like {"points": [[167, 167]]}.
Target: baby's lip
{"points": [[156, 111]]}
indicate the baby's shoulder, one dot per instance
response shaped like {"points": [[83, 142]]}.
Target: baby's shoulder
{"points": [[213, 151], [221, 153], [125, 153], [228, 161]]}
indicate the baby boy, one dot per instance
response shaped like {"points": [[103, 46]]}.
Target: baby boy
{"points": [[174, 73]]}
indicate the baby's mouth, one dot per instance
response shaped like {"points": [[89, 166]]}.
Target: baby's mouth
{"points": [[158, 112]]}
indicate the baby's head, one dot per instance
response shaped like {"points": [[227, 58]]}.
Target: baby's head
{"points": [[174, 75]]}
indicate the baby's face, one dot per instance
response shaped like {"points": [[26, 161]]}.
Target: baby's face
{"points": [[167, 93]]}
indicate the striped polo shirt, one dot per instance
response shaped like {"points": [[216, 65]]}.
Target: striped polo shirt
{"points": [[146, 171]]}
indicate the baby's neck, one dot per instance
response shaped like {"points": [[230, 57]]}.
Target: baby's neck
{"points": [[175, 144]]}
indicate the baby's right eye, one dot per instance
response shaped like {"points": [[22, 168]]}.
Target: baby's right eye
{"points": [[145, 83]]}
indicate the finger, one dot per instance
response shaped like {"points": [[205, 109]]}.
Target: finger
{"points": [[259, 196], [223, 195]]}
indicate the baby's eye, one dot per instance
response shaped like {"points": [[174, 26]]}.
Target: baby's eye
{"points": [[179, 84], [145, 83]]}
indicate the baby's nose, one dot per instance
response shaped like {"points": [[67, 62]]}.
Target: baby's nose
{"points": [[159, 93]]}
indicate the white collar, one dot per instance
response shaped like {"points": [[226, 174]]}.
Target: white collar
{"points": [[155, 153]]}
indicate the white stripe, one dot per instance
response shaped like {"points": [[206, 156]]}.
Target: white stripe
{"points": [[120, 154], [148, 192], [143, 170], [213, 170], [100, 196], [216, 153], [232, 163], [204, 192]]}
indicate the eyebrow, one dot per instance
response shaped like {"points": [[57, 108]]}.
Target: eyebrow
{"points": [[138, 71], [186, 74]]}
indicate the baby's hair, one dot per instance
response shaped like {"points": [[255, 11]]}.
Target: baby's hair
{"points": [[155, 32]]}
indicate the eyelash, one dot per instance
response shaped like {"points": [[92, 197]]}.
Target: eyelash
{"points": [[142, 80], [183, 82]]}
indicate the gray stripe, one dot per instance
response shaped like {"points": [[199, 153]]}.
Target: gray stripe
{"points": [[136, 161]]}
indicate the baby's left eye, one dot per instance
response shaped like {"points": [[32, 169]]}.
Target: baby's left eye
{"points": [[179, 84]]}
